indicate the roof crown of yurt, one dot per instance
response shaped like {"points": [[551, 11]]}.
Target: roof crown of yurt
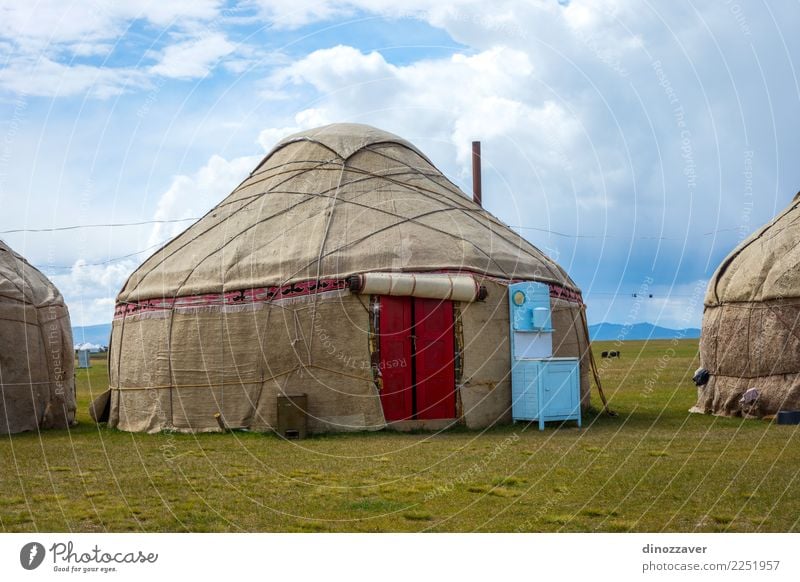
{"points": [[348, 278], [37, 383], [749, 344]]}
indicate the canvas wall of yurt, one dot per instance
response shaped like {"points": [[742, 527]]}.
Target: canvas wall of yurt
{"points": [[36, 359], [750, 340], [346, 268]]}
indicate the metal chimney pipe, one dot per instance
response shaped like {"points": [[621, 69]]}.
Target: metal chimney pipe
{"points": [[476, 174]]}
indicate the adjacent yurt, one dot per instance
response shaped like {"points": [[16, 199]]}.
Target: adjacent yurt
{"points": [[36, 357], [345, 268], [750, 342]]}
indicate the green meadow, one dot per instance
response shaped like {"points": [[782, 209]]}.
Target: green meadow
{"points": [[653, 467]]}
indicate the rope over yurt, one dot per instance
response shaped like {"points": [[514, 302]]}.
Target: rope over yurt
{"points": [[36, 358], [750, 340], [309, 279]]}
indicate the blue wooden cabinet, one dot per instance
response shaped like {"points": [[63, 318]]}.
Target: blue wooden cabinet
{"points": [[543, 388], [546, 390]]}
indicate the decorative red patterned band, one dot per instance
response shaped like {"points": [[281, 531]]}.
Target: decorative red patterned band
{"points": [[242, 297], [559, 292], [267, 294]]}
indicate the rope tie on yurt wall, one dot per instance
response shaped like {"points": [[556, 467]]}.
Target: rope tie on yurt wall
{"points": [[747, 339], [246, 184], [433, 196], [331, 209], [241, 382], [298, 335], [361, 301], [464, 207], [119, 353], [716, 338], [750, 308], [458, 333], [338, 372], [412, 219], [208, 385], [170, 369], [222, 358], [20, 272], [792, 328], [210, 228], [43, 383], [756, 304], [50, 371], [27, 322], [755, 237]]}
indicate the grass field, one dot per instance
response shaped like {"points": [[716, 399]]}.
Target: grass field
{"points": [[654, 467]]}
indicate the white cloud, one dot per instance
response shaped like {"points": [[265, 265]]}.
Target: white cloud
{"points": [[38, 25], [44, 38], [296, 13], [493, 96], [193, 196], [44, 77], [165, 13], [332, 69], [306, 119], [194, 58], [88, 346], [89, 289], [269, 137], [89, 49]]}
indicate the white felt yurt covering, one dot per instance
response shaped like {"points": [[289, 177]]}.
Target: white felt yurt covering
{"points": [[255, 300], [751, 324], [36, 358]]}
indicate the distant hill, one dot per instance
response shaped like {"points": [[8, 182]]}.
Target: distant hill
{"points": [[639, 331], [93, 334]]}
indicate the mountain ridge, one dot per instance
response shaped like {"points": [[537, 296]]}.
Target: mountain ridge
{"points": [[639, 331]]}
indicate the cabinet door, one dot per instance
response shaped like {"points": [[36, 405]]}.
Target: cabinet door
{"points": [[560, 389], [525, 389], [530, 400]]}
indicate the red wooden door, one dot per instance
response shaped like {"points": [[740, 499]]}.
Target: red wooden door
{"points": [[434, 359], [395, 351]]}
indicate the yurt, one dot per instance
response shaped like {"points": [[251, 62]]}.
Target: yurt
{"points": [[36, 358], [750, 341], [347, 277]]}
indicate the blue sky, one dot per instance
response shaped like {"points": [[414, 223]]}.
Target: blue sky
{"points": [[635, 143]]}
